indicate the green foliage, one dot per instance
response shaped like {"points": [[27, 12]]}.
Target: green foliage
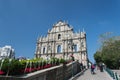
{"points": [[23, 63], [62, 60], [109, 52], [16, 67], [11, 67], [5, 65], [97, 57]]}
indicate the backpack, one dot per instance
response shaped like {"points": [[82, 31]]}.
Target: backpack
{"points": [[93, 66]]}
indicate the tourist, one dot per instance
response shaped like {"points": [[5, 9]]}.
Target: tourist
{"points": [[81, 66], [89, 65], [102, 67], [92, 69]]}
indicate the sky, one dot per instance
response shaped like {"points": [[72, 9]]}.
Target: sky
{"points": [[23, 21]]}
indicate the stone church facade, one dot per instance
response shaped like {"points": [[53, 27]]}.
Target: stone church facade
{"points": [[61, 42]]}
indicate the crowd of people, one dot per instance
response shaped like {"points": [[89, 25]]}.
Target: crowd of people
{"points": [[99, 66]]}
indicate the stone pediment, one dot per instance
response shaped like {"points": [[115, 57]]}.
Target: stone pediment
{"points": [[60, 26], [60, 23]]}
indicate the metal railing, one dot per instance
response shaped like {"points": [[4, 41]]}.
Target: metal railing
{"points": [[113, 74]]}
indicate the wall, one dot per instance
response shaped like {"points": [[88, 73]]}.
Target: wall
{"points": [[61, 72]]}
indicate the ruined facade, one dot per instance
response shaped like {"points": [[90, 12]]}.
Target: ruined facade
{"points": [[61, 42]]}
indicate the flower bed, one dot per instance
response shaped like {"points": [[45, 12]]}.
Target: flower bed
{"points": [[1, 72], [19, 67]]}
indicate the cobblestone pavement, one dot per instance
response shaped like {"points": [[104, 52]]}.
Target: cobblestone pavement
{"points": [[98, 76]]}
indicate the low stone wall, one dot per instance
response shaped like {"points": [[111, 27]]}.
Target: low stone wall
{"points": [[61, 72]]}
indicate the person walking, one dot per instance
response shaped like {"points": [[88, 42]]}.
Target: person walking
{"points": [[89, 65], [102, 67], [92, 69]]}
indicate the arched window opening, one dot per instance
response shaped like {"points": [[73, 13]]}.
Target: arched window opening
{"points": [[75, 48], [59, 36], [59, 49], [44, 50]]}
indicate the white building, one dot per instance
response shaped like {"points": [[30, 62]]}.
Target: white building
{"points": [[61, 42], [7, 52]]}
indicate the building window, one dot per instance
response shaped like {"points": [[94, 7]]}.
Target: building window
{"points": [[82, 44], [75, 48], [59, 36], [44, 50], [49, 48], [59, 49]]}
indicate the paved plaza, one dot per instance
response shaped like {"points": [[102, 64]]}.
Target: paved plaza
{"points": [[98, 76]]}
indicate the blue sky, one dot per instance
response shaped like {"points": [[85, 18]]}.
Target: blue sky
{"points": [[22, 21]]}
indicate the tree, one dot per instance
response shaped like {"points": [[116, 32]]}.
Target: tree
{"points": [[109, 51], [97, 57]]}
